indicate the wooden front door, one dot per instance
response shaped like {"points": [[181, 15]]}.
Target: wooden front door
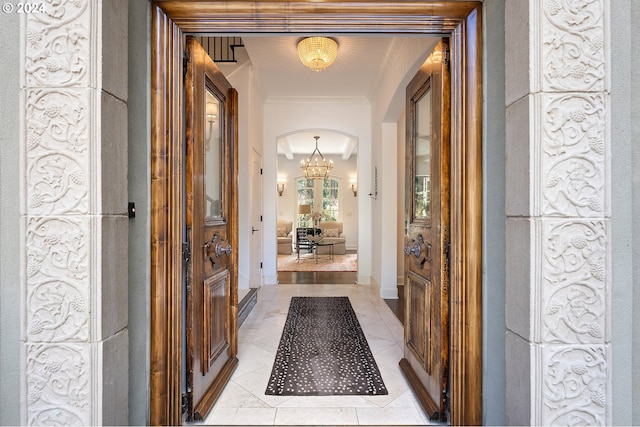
{"points": [[212, 232], [427, 229]]}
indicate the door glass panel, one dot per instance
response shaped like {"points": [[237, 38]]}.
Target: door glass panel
{"points": [[422, 160], [213, 157]]}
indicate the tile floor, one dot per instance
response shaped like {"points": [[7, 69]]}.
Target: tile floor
{"points": [[243, 401]]}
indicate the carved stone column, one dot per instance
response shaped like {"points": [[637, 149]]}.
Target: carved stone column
{"points": [[74, 186], [558, 192]]}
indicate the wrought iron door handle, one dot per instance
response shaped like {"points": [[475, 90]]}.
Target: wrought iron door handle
{"points": [[207, 246], [220, 250], [415, 250]]}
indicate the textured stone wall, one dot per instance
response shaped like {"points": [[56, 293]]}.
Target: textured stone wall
{"points": [[74, 145], [558, 208]]}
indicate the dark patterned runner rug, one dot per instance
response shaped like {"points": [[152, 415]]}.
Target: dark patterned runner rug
{"points": [[323, 351]]}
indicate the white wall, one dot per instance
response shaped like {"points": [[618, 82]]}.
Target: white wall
{"points": [[250, 112], [285, 115], [348, 204], [388, 104]]}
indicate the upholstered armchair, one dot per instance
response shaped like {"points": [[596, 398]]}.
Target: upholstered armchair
{"points": [[332, 232], [285, 237]]}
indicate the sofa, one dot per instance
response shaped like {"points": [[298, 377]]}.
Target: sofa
{"points": [[332, 232], [285, 237]]}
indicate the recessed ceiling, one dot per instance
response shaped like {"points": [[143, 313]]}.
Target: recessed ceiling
{"points": [[330, 142], [281, 74]]}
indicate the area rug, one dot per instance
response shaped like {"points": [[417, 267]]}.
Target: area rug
{"points": [[323, 352], [307, 262]]}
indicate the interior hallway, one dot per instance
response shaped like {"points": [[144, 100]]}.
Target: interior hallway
{"points": [[243, 401]]}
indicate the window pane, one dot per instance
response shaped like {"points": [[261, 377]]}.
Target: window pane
{"points": [[213, 157], [422, 158]]}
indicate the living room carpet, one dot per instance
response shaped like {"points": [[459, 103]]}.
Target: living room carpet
{"points": [[323, 352], [307, 262]]}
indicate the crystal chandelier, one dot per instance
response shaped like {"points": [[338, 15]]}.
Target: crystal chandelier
{"points": [[317, 53], [316, 167]]}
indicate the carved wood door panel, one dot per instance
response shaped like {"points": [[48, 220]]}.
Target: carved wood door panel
{"points": [[426, 358], [211, 227]]}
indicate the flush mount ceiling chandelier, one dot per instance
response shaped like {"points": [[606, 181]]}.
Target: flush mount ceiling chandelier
{"points": [[317, 53], [316, 166]]}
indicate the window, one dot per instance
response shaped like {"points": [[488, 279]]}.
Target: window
{"points": [[330, 199], [306, 192], [323, 193]]}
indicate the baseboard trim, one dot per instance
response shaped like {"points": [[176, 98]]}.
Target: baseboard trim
{"points": [[364, 280], [389, 293]]}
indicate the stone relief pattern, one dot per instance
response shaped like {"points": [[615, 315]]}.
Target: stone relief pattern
{"points": [[57, 151], [58, 48], [574, 155], [58, 384], [57, 271], [574, 385], [573, 55], [58, 54], [574, 282]]}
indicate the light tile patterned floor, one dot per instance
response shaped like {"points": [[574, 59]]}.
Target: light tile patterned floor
{"points": [[243, 401]]}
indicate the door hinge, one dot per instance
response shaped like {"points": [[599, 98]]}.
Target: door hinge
{"points": [[260, 265], [446, 56], [260, 218], [260, 171], [447, 252], [186, 252], [185, 63], [186, 397], [446, 267], [445, 404]]}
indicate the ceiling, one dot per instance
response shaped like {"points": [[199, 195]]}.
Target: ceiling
{"points": [[281, 74]]}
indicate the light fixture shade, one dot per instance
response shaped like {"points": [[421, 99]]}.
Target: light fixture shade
{"points": [[317, 53], [304, 209]]}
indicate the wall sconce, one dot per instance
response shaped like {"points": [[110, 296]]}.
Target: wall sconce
{"points": [[282, 179], [354, 185], [212, 112]]}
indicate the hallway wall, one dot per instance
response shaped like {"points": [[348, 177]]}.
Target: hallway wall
{"points": [[250, 129], [387, 98]]}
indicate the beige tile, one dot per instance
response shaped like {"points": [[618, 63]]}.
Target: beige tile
{"points": [[327, 402], [235, 396], [255, 416], [389, 416], [316, 416], [241, 417], [389, 356]]}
